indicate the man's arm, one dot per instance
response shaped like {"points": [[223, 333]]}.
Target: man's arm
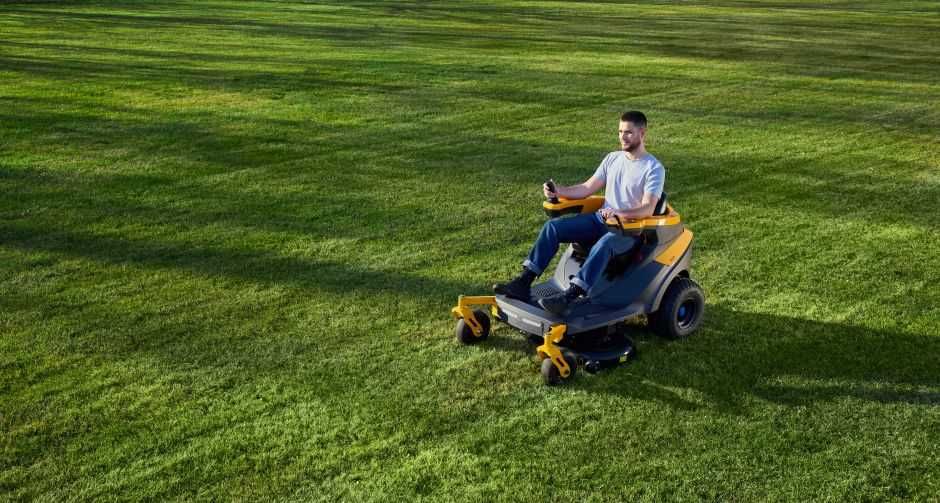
{"points": [[580, 191], [645, 209]]}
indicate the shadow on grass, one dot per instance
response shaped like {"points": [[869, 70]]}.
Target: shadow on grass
{"points": [[861, 190], [294, 157], [207, 261], [846, 43], [738, 357]]}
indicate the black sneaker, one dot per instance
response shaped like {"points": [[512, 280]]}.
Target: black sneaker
{"points": [[556, 303], [517, 288], [561, 303]]}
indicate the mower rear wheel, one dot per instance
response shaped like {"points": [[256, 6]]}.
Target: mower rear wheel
{"points": [[550, 373], [465, 334], [681, 310]]}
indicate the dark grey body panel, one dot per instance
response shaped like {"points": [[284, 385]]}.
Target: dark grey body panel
{"points": [[534, 320], [638, 290]]}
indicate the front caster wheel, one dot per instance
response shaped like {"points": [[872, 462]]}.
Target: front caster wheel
{"points": [[465, 334], [550, 373]]}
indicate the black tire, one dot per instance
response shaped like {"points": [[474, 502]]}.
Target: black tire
{"points": [[593, 366], [464, 333], [681, 310], [550, 373]]}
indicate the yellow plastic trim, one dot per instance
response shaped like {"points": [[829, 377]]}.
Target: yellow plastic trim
{"points": [[676, 249], [462, 310], [588, 205], [549, 350], [671, 218]]}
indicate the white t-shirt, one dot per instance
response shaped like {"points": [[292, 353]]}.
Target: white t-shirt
{"points": [[626, 181]]}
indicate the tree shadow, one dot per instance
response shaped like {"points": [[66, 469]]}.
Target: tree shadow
{"points": [[254, 266], [852, 44], [859, 192], [202, 148]]}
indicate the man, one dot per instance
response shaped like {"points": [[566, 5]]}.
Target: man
{"points": [[633, 181]]}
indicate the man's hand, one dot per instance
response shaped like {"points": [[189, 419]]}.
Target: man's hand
{"points": [[549, 194], [580, 191], [608, 213]]}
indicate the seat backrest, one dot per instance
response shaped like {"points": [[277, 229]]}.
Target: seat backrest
{"points": [[660, 208]]}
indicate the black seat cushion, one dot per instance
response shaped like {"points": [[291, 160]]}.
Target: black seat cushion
{"points": [[623, 261], [581, 251]]}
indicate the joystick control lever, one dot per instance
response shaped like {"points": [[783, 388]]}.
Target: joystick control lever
{"points": [[551, 187]]}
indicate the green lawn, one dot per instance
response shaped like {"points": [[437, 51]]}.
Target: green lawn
{"points": [[231, 233]]}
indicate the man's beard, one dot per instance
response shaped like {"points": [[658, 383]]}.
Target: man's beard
{"points": [[631, 147]]}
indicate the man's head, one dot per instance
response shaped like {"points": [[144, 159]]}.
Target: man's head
{"points": [[632, 131]]}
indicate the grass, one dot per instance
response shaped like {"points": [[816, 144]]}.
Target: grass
{"points": [[231, 232]]}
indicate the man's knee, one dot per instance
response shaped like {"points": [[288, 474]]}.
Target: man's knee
{"points": [[606, 242], [550, 227], [611, 244]]}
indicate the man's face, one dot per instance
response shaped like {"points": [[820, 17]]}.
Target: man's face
{"points": [[631, 137]]}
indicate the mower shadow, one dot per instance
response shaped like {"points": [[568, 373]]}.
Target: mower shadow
{"points": [[510, 340], [739, 357]]}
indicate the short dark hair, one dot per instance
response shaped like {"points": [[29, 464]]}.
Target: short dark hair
{"points": [[635, 117]]}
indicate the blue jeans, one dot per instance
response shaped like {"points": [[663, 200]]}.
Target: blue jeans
{"points": [[587, 229]]}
